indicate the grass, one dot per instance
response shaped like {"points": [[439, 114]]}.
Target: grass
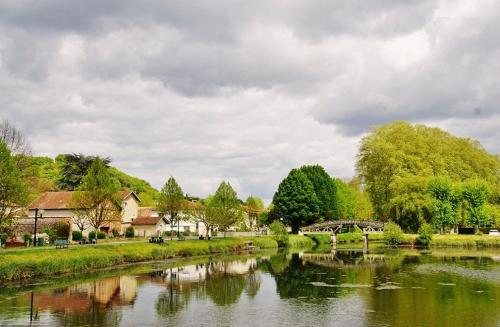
{"points": [[300, 242], [465, 241], [32, 263]]}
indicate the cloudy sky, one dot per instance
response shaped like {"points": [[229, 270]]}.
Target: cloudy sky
{"points": [[243, 90]]}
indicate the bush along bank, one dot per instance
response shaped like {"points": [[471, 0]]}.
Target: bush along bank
{"points": [[32, 263]]}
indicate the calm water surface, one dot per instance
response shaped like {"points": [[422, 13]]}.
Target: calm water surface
{"points": [[348, 288]]}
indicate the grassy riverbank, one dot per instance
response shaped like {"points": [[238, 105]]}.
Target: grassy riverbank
{"points": [[31, 263]]}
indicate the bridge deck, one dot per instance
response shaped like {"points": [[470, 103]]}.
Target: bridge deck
{"points": [[334, 225]]}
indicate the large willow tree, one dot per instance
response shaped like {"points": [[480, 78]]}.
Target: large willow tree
{"points": [[397, 160]]}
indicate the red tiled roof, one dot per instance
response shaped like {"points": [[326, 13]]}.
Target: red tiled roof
{"points": [[52, 200], [146, 221], [61, 200]]}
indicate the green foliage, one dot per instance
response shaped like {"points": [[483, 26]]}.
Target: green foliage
{"points": [[51, 233], [280, 234], [442, 210], [129, 232], [13, 192], [33, 263], [492, 213], [92, 235], [254, 206], [27, 238], [101, 235], [402, 151], [320, 239], [74, 167], [411, 204], [171, 200], [147, 194], [77, 235], [224, 209], [324, 188], [97, 196], [295, 200], [345, 198], [475, 193], [57, 230], [393, 235], [299, 242], [425, 233], [43, 174], [39, 174], [363, 209]]}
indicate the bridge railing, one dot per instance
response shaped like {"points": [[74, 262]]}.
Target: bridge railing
{"points": [[330, 225]]}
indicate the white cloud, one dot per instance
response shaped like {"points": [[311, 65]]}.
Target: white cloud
{"points": [[243, 92]]}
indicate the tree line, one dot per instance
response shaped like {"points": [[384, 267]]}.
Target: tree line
{"points": [[409, 174]]}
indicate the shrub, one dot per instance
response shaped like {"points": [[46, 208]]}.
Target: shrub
{"points": [[51, 233], [27, 239], [168, 233], [61, 229], [425, 233], [77, 235], [393, 235], [129, 232], [3, 238], [186, 233], [101, 235], [115, 232], [92, 235], [280, 234]]}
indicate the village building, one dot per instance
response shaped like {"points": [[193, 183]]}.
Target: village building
{"points": [[52, 207]]}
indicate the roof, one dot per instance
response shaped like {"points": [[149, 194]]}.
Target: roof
{"points": [[146, 221], [126, 194], [61, 200], [52, 200]]}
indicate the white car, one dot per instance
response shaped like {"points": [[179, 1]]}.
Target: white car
{"points": [[494, 232]]}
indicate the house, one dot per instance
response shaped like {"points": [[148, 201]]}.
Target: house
{"points": [[149, 226], [53, 207], [151, 217]]}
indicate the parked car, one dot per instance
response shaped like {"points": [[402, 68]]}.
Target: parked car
{"points": [[494, 232]]}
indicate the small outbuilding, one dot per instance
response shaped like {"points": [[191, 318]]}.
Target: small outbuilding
{"points": [[149, 226]]}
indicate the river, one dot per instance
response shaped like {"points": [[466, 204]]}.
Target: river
{"points": [[347, 288]]}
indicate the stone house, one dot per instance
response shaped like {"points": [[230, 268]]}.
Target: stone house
{"points": [[56, 207]]}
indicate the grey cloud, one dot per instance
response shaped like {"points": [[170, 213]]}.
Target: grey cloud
{"points": [[242, 91]]}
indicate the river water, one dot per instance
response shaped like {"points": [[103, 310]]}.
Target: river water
{"points": [[347, 288]]}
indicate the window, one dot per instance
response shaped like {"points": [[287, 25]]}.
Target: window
{"points": [[187, 229]]}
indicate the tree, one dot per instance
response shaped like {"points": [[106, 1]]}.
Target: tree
{"points": [[475, 193], [442, 211], [325, 190], [295, 200], [224, 209], [171, 202], [73, 167], [345, 199], [254, 206], [96, 200], [411, 204], [13, 192], [401, 152], [201, 212], [14, 139], [363, 209]]}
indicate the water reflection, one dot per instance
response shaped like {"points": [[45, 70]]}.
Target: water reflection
{"points": [[392, 288]]}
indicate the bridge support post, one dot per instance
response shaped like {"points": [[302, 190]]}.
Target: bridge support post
{"points": [[365, 243], [333, 239]]}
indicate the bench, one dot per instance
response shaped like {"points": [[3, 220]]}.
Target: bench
{"points": [[156, 239], [61, 244]]}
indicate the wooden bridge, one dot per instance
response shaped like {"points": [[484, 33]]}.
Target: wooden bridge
{"points": [[335, 226]]}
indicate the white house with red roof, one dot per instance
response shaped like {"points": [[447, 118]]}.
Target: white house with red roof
{"points": [[52, 207]]}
